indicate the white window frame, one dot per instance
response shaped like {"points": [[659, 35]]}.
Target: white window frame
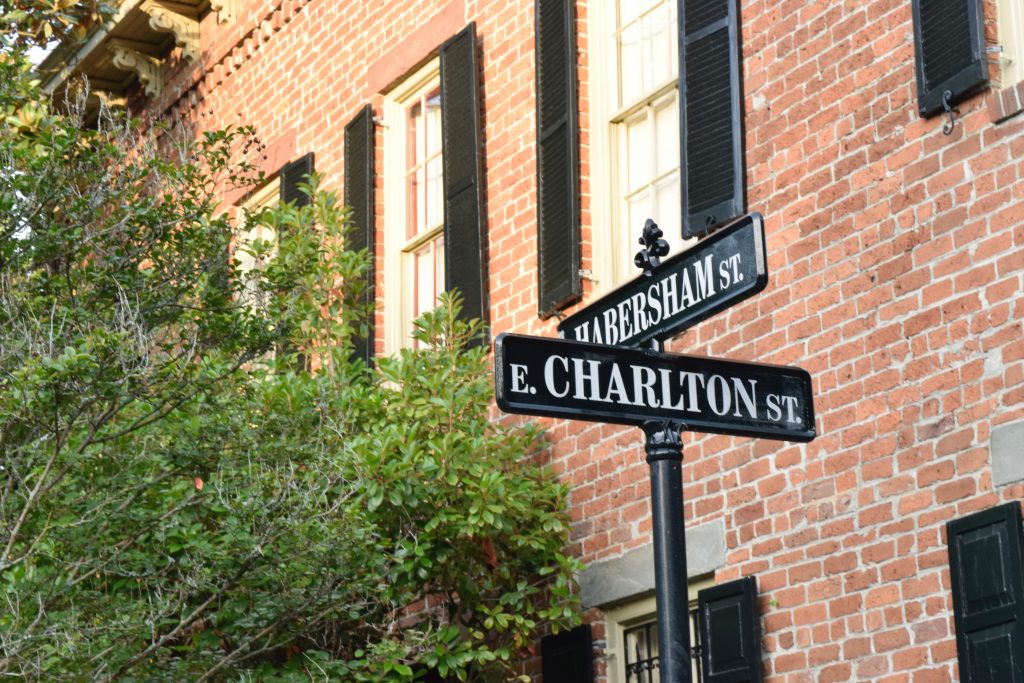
{"points": [[264, 198], [612, 236], [1011, 40], [397, 285], [617, 620]]}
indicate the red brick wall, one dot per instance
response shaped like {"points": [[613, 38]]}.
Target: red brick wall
{"points": [[896, 266]]}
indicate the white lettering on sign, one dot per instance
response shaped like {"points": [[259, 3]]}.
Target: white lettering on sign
{"points": [[519, 378], [663, 299], [645, 387]]}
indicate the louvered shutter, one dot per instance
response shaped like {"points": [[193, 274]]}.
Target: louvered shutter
{"points": [[710, 114], [568, 657], [986, 568], [359, 180], [730, 632], [464, 232], [558, 238], [292, 174], [949, 51]]}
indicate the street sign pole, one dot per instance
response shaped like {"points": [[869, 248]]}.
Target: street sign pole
{"points": [[601, 371], [664, 448]]}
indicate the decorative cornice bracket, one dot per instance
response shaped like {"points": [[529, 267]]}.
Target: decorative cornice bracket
{"points": [[148, 69], [227, 10], [177, 18]]}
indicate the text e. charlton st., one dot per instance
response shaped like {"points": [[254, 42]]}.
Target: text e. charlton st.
{"points": [[560, 378]]}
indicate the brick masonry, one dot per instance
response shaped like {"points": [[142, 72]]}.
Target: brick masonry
{"points": [[896, 261]]}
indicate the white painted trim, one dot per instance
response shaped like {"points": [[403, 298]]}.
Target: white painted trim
{"points": [[1011, 38], [397, 305], [603, 167], [635, 613]]}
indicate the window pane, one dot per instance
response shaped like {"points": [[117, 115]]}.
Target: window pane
{"points": [[639, 164], [413, 206], [641, 207], [414, 122], [438, 266], [423, 164], [630, 64], [631, 10], [659, 33], [669, 212], [433, 122], [434, 214], [427, 277], [641, 651], [666, 134], [423, 264], [641, 643], [647, 50]]}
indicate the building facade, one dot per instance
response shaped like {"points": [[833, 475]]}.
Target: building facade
{"points": [[514, 149]]}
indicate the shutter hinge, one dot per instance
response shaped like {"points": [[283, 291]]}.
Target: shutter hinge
{"points": [[947, 128], [586, 274]]}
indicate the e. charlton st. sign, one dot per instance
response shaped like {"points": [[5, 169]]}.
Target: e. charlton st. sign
{"points": [[582, 381]]}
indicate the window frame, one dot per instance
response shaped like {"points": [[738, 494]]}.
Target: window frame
{"points": [[609, 156], [398, 284], [266, 197], [638, 612], [1010, 28]]}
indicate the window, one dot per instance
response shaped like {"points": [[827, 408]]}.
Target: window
{"points": [[434, 233], [414, 200], [640, 650], [632, 639], [635, 93], [725, 640], [257, 244], [667, 142]]}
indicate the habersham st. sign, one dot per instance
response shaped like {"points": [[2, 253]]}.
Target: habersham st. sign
{"points": [[584, 381], [691, 286]]}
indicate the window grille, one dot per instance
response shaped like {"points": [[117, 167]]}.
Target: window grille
{"points": [[641, 644]]}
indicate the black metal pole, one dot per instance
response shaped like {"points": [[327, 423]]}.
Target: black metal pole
{"points": [[665, 456]]}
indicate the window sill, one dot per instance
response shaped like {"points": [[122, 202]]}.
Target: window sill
{"points": [[1005, 103]]}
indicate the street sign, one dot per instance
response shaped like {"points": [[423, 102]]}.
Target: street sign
{"points": [[721, 270], [582, 381]]}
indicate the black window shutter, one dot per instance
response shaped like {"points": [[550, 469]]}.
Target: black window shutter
{"points": [[730, 633], [568, 657], [359, 182], [710, 114], [558, 230], [949, 50], [293, 173], [465, 256], [986, 568]]}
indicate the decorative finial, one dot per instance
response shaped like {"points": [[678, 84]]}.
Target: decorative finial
{"points": [[648, 258]]}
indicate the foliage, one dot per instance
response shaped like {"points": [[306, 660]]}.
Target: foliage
{"points": [[181, 497], [37, 22]]}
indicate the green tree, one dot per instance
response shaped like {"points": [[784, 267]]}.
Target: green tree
{"points": [[181, 496]]}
